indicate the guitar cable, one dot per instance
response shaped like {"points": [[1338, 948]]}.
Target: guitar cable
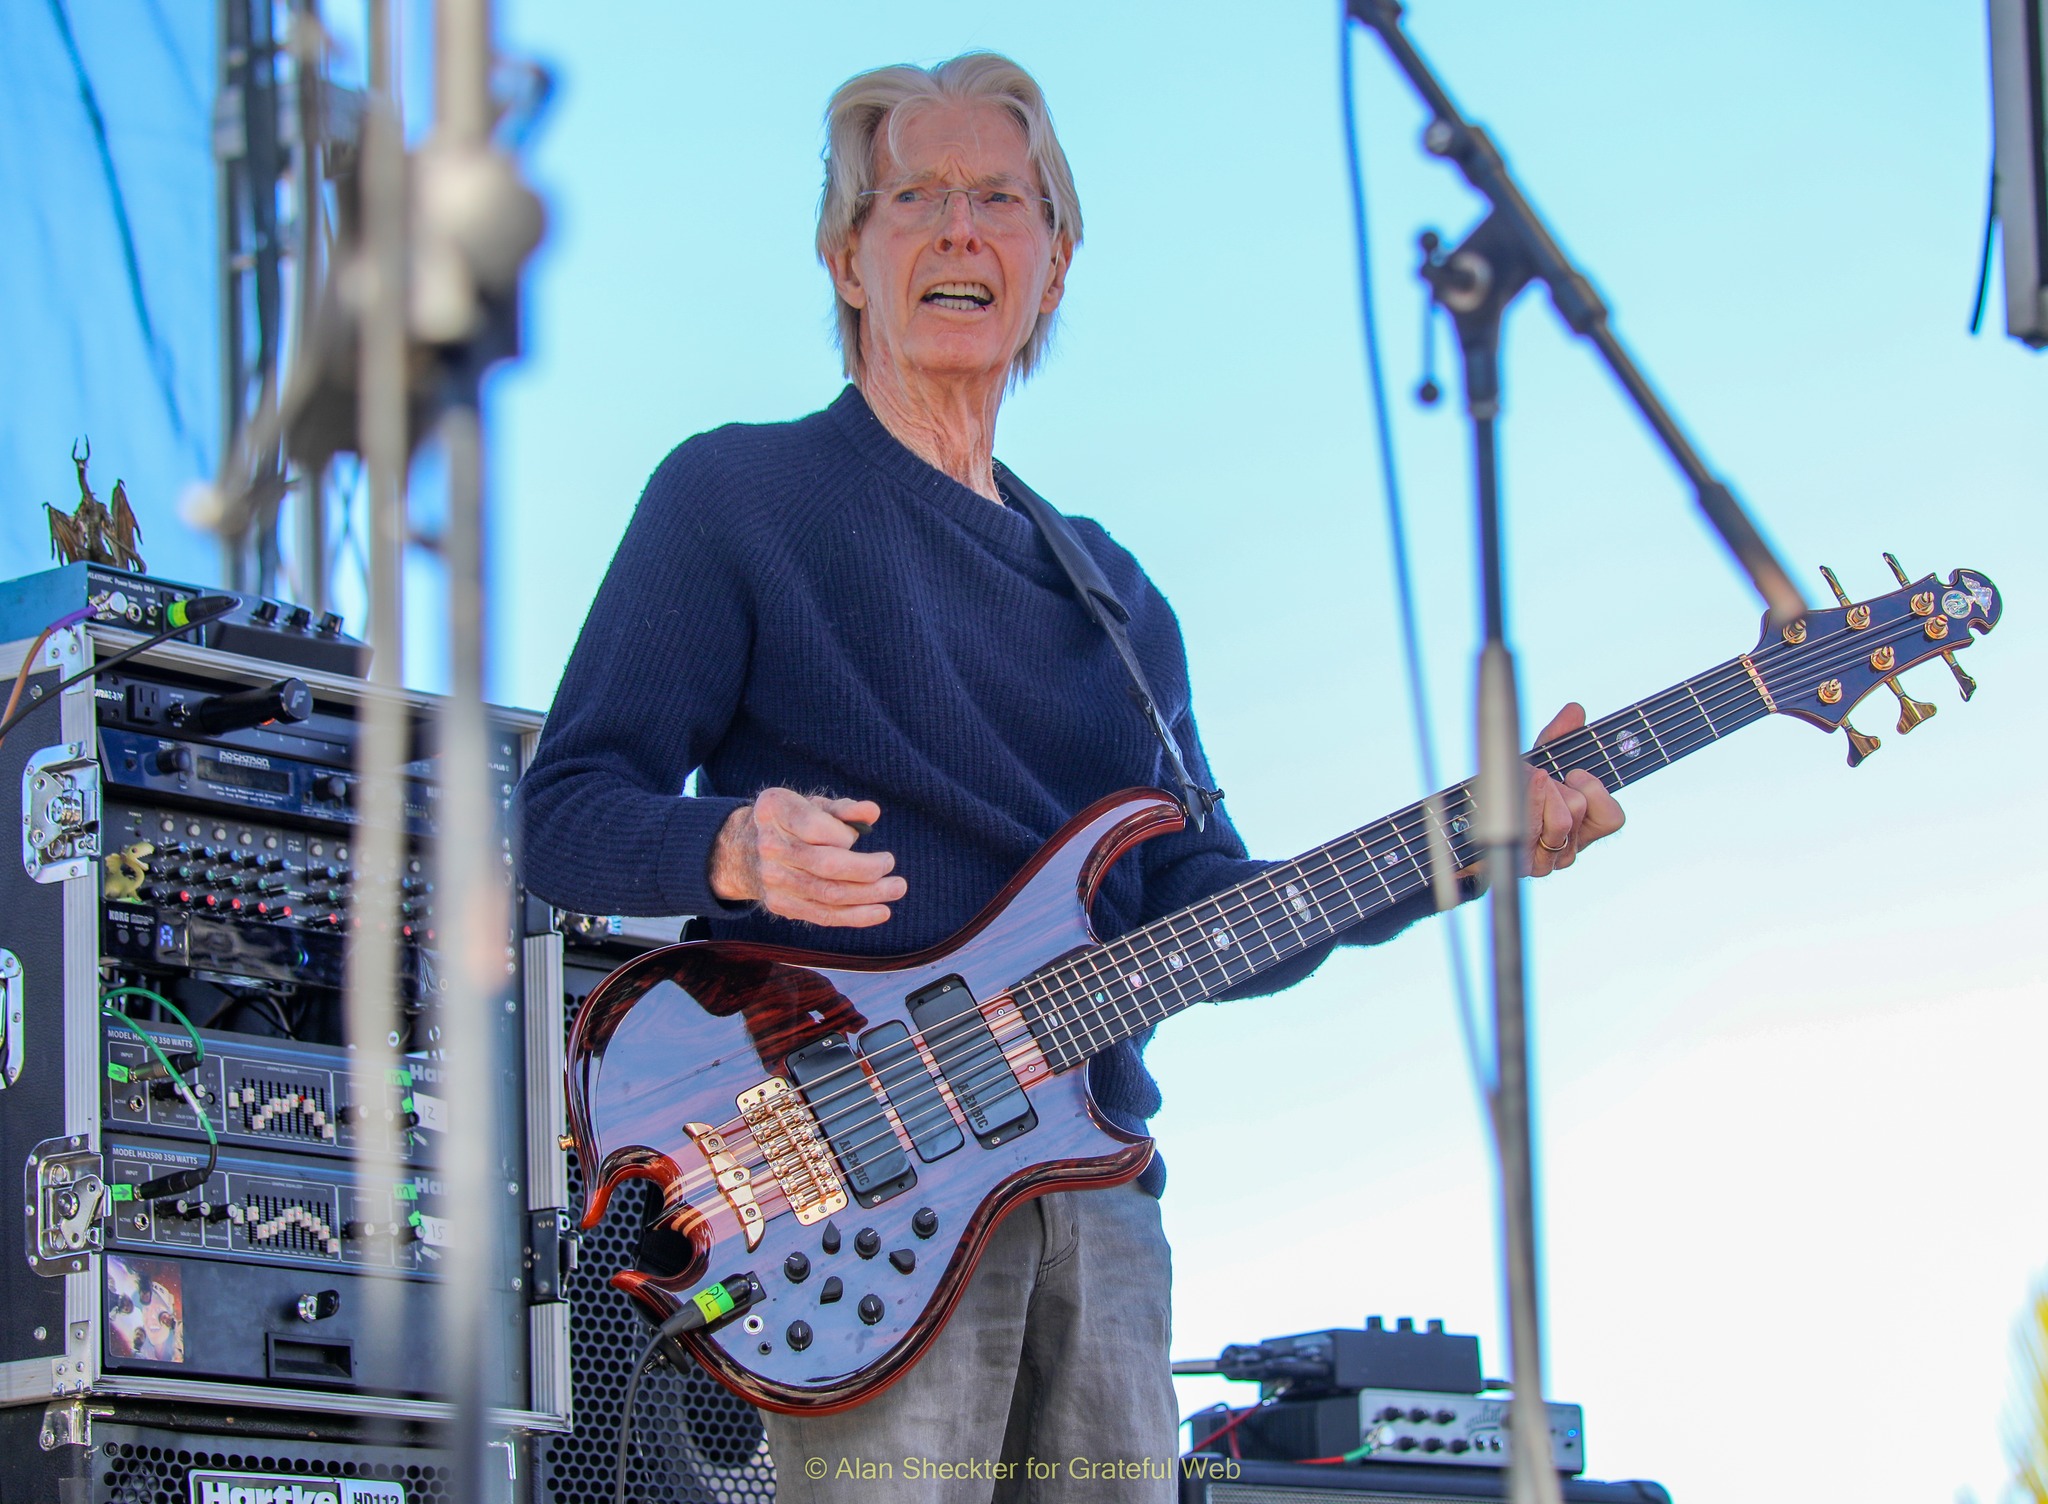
{"points": [[1397, 533], [714, 1303]]}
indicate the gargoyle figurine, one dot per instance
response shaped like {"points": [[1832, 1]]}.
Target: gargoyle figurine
{"points": [[91, 534]]}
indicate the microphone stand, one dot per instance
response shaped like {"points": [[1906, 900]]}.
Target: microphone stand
{"points": [[1475, 283]]}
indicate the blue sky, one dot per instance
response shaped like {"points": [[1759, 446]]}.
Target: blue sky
{"points": [[1789, 1024]]}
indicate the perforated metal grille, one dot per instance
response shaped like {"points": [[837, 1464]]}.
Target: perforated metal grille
{"points": [[127, 1472], [693, 1442]]}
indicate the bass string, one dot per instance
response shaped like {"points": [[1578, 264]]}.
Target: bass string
{"points": [[1676, 719], [1561, 752]]}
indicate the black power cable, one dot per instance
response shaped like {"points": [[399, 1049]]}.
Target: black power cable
{"points": [[197, 612], [1397, 531]]}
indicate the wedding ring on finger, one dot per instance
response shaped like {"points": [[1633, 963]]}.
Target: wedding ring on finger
{"points": [[1563, 846]]}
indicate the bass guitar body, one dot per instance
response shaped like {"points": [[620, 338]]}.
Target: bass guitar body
{"points": [[846, 1131], [835, 1139]]}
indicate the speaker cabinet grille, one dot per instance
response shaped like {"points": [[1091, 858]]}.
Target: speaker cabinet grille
{"points": [[694, 1443]]}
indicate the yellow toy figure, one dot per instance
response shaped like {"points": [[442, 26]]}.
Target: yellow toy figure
{"points": [[126, 871]]}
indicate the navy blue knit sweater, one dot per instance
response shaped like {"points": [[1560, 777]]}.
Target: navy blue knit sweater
{"points": [[811, 605]]}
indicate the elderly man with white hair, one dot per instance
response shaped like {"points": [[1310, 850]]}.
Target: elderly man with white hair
{"points": [[847, 632]]}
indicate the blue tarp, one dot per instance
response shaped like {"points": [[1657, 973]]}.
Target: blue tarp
{"points": [[105, 110]]}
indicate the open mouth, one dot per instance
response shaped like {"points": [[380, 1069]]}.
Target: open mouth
{"points": [[964, 296]]}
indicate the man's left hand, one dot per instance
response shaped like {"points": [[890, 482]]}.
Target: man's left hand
{"points": [[1567, 815]]}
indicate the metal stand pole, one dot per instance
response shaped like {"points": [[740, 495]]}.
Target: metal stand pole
{"points": [[476, 915], [1477, 282], [372, 998], [1453, 137], [307, 42], [1477, 290], [475, 903]]}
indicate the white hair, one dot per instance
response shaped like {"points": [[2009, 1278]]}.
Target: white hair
{"points": [[870, 103]]}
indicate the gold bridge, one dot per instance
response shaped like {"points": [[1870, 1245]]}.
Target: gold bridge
{"points": [[787, 1135], [734, 1179]]}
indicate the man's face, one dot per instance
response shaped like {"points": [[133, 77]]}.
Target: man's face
{"points": [[951, 294]]}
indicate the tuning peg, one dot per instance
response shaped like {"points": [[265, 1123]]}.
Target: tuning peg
{"points": [[1963, 681], [1834, 584], [1911, 711], [1860, 746]]}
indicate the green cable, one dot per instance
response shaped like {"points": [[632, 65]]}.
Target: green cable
{"points": [[198, 1044], [177, 1077]]}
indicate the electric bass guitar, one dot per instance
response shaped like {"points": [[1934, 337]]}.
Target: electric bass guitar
{"points": [[835, 1138]]}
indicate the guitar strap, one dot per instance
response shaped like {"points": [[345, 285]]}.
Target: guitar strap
{"points": [[1108, 613]]}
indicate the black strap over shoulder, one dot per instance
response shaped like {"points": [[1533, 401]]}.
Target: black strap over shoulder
{"points": [[1110, 614]]}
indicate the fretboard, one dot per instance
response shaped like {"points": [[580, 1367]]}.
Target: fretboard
{"points": [[1089, 1001]]}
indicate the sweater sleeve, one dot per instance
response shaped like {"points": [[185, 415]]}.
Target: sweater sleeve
{"points": [[654, 682]]}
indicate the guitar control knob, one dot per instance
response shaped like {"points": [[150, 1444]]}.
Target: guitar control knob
{"points": [[797, 1268], [867, 1242], [925, 1223], [832, 1291], [830, 1241], [905, 1259], [798, 1336], [870, 1309]]}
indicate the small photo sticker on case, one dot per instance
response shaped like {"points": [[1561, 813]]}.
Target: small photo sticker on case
{"points": [[145, 1309]]}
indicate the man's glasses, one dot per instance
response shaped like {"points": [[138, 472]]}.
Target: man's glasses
{"points": [[920, 205]]}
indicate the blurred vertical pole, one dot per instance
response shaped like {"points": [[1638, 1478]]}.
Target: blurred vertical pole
{"points": [[308, 42], [231, 49], [473, 901], [379, 291]]}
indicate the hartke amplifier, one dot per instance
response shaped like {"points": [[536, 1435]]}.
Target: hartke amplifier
{"points": [[1222, 1480], [88, 1452]]}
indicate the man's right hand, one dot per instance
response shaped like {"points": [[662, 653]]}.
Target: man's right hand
{"points": [[792, 854]]}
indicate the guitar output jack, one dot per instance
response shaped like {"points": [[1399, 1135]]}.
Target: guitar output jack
{"points": [[753, 1324]]}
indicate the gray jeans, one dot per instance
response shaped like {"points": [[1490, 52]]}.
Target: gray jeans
{"points": [[1050, 1383]]}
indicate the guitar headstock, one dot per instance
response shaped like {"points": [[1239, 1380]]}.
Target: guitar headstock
{"points": [[1823, 665]]}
